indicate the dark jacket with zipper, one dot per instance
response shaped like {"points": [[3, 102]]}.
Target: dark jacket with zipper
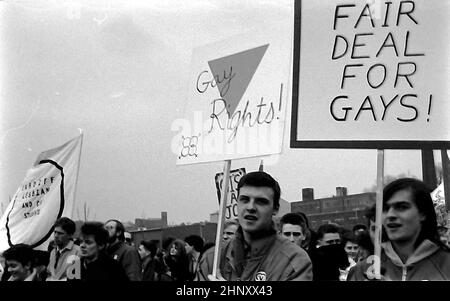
{"points": [[271, 258]]}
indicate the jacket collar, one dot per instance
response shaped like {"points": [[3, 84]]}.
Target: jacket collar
{"points": [[424, 250], [239, 250], [115, 246], [69, 247], [257, 247]]}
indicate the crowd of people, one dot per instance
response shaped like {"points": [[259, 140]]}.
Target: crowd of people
{"points": [[253, 247]]}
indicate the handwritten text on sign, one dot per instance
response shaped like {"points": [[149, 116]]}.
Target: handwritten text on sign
{"points": [[40, 194], [366, 68], [235, 176], [237, 94]]}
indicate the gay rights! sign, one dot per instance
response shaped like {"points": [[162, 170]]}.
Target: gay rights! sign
{"points": [[371, 74], [237, 95]]}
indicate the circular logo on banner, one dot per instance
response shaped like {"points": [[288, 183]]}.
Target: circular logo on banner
{"points": [[37, 204], [261, 276]]}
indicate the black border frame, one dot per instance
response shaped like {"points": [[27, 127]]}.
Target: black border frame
{"points": [[345, 144]]}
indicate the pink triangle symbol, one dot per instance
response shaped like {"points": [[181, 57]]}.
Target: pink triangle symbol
{"points": [[233, 74]]}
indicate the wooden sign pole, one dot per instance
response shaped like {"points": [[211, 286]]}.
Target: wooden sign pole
{"points": [[223, 206], [378, 211], [428, 168], [446, 177]]}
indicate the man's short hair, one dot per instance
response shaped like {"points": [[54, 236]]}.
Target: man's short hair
{"points": [[195, 241], [230, 222], [66, 224], [97, 230], [326, 228], [149, 246], [305, 218], [262, 179], [349, 237], [293, 219], [119, 228], [22, 253]]}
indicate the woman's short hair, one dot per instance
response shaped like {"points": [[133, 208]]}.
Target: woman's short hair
{"points": [[22, 253], [97, 230]]}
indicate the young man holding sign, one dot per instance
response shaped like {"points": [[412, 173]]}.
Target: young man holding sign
{"points": [[257, 252]]}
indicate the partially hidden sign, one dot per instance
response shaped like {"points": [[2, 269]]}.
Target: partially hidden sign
{"points": [[371, 74], [235, 176], [237, 94], [442, 214]]}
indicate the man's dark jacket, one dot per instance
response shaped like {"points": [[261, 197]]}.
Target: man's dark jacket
{"points": [[128, 257]]}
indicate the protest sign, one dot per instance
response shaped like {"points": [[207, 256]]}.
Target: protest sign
{"points": [[371, 74], [46, 194], [237, 94], [235, 176], [438, 197]]}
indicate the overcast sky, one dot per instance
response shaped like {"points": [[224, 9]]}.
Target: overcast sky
{"points": [[118, 70]]}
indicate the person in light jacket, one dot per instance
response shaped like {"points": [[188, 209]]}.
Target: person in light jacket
{"points": [[412, 250]]}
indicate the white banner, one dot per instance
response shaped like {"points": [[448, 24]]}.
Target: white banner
{"points": [[46, 194], [238, 91]]}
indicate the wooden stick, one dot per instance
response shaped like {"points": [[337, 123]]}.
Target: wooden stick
{"points": [[378, 211], [223, 207], [446, 177]]}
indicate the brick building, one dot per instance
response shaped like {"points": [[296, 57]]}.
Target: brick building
{"points": [[343, 209], [151, 223]]}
